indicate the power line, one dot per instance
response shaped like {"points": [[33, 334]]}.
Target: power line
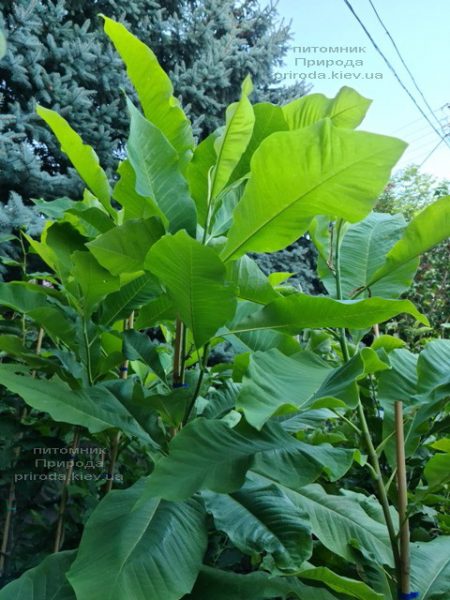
{"points": [[399, 54], [380, 52], [431, 153]]}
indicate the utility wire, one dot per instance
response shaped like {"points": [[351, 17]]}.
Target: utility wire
{"points": [[406, 125], [386, 60], [399, 54], [431, 153]]}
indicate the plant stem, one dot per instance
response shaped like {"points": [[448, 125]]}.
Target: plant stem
{"points": [[402, 487], [337, 266], [88, 352], [59, 537], [179, 353], [373, 456], [128, 324], [382, 495], [198, 387]]}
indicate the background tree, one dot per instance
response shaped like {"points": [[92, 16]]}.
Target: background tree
{"points": [[58, 56], [408, 192]]}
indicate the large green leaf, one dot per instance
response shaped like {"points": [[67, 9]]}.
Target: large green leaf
{"points": [[347, 109], [134, 205], [154, 88], [150, 552], [198, 174], [420, 382], [268, 119], [399, 383], [138, 346], [38, 304], [296, 175], [124, 248], [300, 311], [94, 281], [131, 296], [195, 279], [250, 281], [208, 454], [437, 470], [342, 521], [271, 383], [158, 174], [261, 519], [430, 568], [47, 581], [233, 141], [363, 251], [82, 156], [95, 408], [338, 583], [226, 585], [427, 229]]}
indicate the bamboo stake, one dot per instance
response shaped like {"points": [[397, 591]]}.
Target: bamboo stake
{"points": [[402, 486]]}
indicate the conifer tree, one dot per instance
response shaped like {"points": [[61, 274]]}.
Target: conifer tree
{"points": [[58, 56]]}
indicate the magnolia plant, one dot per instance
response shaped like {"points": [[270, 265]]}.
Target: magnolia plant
{"points": [[273, 475]]}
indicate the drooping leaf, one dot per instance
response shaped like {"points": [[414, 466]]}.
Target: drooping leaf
{"points": [[340, 521], [124, 248], [40, 305], [208, 454], [195, 280], [271, 383], [82, 156], [296, 175], [226, 585], [347, 109], [153, 87], [299, 311], [153, 551], [340, 584], [47, 581], [430, 568], [95, 407], [158, 175], [261, 519], [430, 227]]}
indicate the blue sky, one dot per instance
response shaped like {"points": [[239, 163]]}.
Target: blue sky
{"points": [[421, 31]]}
